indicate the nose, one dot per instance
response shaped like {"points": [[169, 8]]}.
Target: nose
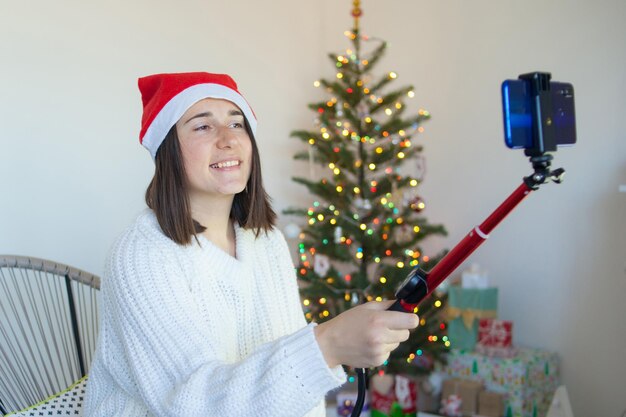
{"points": [[226, 138]]}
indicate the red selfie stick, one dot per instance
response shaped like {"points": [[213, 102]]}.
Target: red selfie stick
{"points": [[419, 284]]}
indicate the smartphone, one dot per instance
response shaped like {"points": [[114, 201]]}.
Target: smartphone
{"points": [[517, 108]]}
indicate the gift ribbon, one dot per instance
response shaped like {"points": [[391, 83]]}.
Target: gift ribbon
{"points": [[468, 315]]}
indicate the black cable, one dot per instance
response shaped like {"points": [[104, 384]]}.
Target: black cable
{"points": [[361, 376]]}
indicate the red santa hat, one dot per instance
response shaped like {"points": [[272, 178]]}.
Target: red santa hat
{"points": [[166, 97]]}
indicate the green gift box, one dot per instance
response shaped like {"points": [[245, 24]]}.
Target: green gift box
{"points": [[465, 307], [528, 380]]}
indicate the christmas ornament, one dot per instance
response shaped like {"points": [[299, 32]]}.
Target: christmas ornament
{"points": [[362, 204], [337, 234], [403, 233], [417, 204], [321, 265]]}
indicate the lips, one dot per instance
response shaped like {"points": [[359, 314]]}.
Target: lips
{"points": [[226, 164]]}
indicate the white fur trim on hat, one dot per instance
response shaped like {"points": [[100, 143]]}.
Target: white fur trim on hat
{"points": [[180, 103]]}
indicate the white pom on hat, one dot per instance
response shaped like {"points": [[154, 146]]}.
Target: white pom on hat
{"points": [[166, 97]]}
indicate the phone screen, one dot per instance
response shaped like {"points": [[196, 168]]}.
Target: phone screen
{"points": [[518, 114], [563, 113]]}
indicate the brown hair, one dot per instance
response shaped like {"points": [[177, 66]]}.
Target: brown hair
{"points": [[167, 194]]}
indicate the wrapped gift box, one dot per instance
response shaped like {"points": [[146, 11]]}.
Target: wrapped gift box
{"points": [[465, 307], [495, 333], [528, 380], [490, 404], [466, 389], [495, 338]]}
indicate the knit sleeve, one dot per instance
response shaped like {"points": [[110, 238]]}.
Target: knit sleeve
{"points": [[170, 364]]}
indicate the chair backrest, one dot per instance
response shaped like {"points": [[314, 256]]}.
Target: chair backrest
{"points": [[48, 328]]}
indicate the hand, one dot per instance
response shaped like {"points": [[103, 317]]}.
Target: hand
{"points": [[364, 336]]}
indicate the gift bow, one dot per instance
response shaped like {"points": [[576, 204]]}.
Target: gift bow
{"points": [[468, 315]]}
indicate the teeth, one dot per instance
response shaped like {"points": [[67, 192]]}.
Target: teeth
{"points": [[225, 164]]}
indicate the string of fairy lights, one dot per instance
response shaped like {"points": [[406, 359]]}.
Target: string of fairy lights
{"points": [[320, 213], [372, 208]]}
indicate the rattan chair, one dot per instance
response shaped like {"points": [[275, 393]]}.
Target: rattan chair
{"points": [[48, 329]]}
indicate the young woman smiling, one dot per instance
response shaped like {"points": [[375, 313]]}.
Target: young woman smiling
{"points": [[200, 313]]}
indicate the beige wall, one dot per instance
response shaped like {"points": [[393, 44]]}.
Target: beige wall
{"points": [[72, 173]]}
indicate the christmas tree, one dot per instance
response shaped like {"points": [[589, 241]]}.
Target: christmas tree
{"points": [[364, 228]]}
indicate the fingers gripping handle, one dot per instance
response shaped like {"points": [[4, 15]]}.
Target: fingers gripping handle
{"points": [[411, 292]]}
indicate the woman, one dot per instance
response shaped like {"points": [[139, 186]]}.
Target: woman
{"points": [[200, 313]]}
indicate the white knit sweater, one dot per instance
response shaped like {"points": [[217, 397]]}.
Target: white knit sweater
{"points": [[191, 331]]}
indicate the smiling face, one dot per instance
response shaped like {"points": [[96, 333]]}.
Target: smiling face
{"points": [[216, 149]]}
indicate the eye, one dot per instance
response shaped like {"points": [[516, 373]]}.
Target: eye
{"points": [[202, 127], [236, 125]]}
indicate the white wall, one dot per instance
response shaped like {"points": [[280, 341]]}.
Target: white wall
{"points": [[72, 174]]}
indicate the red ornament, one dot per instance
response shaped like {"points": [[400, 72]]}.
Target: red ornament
{"points": [[417, 204]]}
